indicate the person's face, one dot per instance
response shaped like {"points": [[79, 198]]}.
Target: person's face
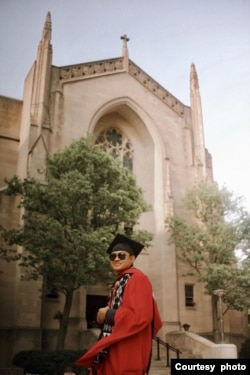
{"points": [[121, 260]]}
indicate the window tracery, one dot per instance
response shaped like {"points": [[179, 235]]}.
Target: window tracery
{"points": [[117, 145]]}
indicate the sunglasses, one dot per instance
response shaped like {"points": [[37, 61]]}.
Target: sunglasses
{"points": [[120, 256]]}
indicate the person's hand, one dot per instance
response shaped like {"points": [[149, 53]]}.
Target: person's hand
{"points": [[101, 315]]}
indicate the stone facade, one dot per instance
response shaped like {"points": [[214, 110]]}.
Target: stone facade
{"points": [[62, 104]]}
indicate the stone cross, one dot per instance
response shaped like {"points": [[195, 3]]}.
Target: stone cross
{"points": [[125, 40]]}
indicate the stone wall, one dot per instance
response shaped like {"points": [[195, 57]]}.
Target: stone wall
{"points": [[192, 344]]}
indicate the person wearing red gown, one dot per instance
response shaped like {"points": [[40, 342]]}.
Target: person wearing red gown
{"points": [[130, 321]]}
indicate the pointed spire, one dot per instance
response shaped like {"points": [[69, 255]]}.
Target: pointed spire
{"points": [[41, 82], [47, 28], [197, 122], [194, 77]]}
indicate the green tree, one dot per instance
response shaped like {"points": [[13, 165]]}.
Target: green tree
{"points": [[213, 228], [69, 219]]}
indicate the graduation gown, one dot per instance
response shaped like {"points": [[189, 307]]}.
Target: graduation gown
{"points": [[136, 322]]}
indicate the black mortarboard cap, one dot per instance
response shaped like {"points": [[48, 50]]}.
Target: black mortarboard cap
{"points": [[121, 242]]}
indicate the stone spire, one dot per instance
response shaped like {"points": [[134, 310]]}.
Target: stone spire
{"points": [[47, 29], [125, 50], [41, 82], [194, 77], [197, 123]]}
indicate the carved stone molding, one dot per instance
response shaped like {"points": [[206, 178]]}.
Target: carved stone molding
{"points": [[112, 65], [90, 69], [157, 89]]}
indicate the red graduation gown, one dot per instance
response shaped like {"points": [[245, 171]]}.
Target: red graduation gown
{"points": [[131, 339]]}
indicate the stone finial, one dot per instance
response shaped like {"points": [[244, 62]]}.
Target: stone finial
{"points": [[47, 28], [194, 77]]}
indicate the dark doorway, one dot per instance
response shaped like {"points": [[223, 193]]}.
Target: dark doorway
{"points": [[93, 304]]}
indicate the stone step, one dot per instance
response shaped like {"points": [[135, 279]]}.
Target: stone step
{"points": [[158, 367], [159, 370]]}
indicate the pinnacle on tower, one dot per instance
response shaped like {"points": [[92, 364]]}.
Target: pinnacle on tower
{"points": [[194, 77], [197, 123], [47, 28], [41, 81]]}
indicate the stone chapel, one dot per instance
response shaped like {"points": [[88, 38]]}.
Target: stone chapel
{"points": [[115, 100]]}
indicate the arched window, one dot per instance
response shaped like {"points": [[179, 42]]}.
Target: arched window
{"points": [[117, 145]]}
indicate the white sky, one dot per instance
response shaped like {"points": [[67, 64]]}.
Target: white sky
{"points": [[166, 36]]}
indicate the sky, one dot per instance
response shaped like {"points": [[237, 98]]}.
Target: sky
{"points": [[166, 37]]}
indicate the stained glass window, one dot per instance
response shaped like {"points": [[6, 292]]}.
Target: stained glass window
{"points": [[117, 145]]}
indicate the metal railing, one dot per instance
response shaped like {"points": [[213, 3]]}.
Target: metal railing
{"points": [[168, 349]]}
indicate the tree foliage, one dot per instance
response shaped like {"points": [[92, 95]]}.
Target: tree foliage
{"points": [[217, 226], [69, 219]]}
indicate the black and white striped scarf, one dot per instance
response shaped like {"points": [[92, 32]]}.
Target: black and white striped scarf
{"points": [[116, 299]]}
